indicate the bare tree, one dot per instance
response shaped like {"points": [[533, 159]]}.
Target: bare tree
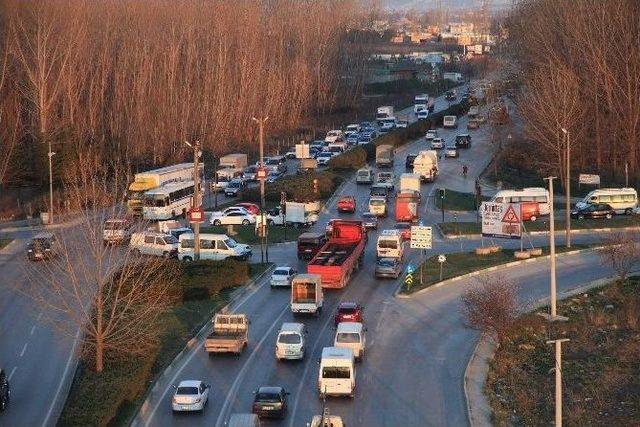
{"points": [[490, 305], [621, 253]]}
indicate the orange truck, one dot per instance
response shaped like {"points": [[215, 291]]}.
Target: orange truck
{"points": [[341, 256], [407, 206]]}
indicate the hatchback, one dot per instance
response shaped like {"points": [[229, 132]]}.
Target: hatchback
{"points": [[270, 402], [348, 312], [347, 204]]}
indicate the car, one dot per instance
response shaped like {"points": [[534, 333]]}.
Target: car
{"points": [[437, 143], [402, 124], [324, 157], [314, 151], [366, 125], [385, 179], [291, 153], [463, 140], [369, 221], [249, 173], [595, 210], [388, 267], [422, 114], [473, 124], [334, 136], [431, 133], [451, 151], [42, 246], [348, 312], [190, 395], [408, 163], [378, 190], [450, 95], [346, 204], [232, 216], [282, 276], [154, 243], [352, 129], [364, 139], [252, 208], [317, 145], [270, 402], [273, 176], [5, 393], [405, 230], [353, 138], [326, 421], [275, 164], [234, 188]]}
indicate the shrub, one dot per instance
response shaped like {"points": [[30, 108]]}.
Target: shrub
{"points": [[298, 187], [352, 159], [204, 279]]}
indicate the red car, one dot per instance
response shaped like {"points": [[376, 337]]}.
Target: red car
{"points": [[252, 208], [405, 230], [348, 312], [347, 204]]}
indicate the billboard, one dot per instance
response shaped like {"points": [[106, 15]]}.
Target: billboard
{"points": [[501, 220]]}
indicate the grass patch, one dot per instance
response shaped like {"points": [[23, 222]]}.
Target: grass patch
{"points": [[461, 263], [457, 201], [465, 228], [601, 381], [4, 242], [247, 233]]}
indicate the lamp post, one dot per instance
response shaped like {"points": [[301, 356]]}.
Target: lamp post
{"points": [[552, 248], [50, 154], [567, 217], [195, 201], [264, 241]]}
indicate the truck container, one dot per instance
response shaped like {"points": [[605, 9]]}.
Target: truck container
{"points": [[384, 155], [341, 256], [230, 334], [306, 294], [302, 151], [384, 112], [234, 161], [410, 182], [426, 165], [407, 206]]}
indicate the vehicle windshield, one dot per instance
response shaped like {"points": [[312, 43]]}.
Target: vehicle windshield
{"points": [[267, 397], [377, 202], [234, 184], [385, 263], [388, 244], [336, 372], [281, 272], [348, 337], [347, 311], [272, 162], [114, 225], [363, 173], [289, 339], [230, 243], [187, 391], [170, 239], [368, 216], [308, 242]]}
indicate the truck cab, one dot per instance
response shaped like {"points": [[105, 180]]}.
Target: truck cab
{"points": [[337, 373]]}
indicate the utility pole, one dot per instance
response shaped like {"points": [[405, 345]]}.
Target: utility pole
{"points": [[558, 372], [50, 154], [195, 201], [567, 215], [552, 247], [264, 242], [626, 174]]}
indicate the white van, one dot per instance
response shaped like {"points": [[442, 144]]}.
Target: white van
{"points": [[351, 335], [244, 420], [152, 243], [390, 244], [337, 373], [364, 176], [212, 246], [450, 122], [378, 206], [623, 200], [531, 194], [291, 339]]}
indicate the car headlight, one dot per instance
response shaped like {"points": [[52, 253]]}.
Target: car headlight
{"points": [[198, 400]]}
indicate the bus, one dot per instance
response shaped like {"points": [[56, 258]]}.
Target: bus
{"points": [[526, 195], [168, 201], [145, 181]]}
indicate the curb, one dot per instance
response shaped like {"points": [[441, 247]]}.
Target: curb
{"points": [[543, 233], [202, 332]]}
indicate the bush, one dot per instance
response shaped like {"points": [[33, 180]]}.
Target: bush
{"points": [[352, 159], [204, 279], [298, 187]]}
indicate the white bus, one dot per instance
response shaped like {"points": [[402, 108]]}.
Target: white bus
{"points": [[168, 201], [623, 200], [531, 194]]}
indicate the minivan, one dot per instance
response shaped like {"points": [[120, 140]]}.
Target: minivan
{"points": [[364, 176], [154, 243], [390, 244], [213, 247], [622, 200], [337, 373], [351, 335], [291, 341]]}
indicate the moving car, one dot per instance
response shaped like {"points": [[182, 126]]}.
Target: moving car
{"points": [[337, 373], [364, 139], [402, 124], [347, 204], [369, 221], [451, 151], [249, 173], [190, 395], [437, 143], [353, 138], [463, 140], [291, 340], [431, 133], [270, 402], [378, 206], [234, 188], [325, 421], [348, 312], [5, 393], [43, 246], [324, 157], [334, 136], [282, 276], [408, 163], [596, 210], [405, 230], [364, 176], [232, 216], [351, 335], [291, 153], [378, 190], [422, 114], [388, 267], [117, 230], [385, 179]]}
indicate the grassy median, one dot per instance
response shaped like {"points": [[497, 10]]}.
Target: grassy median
{"points": [[457, 201], [600, 370], [4, 241], [247, 233]]}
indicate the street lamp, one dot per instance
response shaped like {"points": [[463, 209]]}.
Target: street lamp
{"points": [[195, 201], [50, 154], [568, 188], [264, 241]]}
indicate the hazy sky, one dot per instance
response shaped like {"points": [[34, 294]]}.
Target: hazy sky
{"points": [[454, 4]]}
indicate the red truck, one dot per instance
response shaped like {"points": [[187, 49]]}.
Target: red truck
{"points": [[407, 206], [341, 256]]}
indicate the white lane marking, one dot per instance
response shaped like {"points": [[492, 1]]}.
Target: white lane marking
{"points": [[24, 349], [33, 328], [13, 371], [236, 383]]}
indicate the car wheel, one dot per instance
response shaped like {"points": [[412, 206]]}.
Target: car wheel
{"points": [[608, 216], [628, 211], [270, 222], [187, 259], [217, 222], [245, 222]]}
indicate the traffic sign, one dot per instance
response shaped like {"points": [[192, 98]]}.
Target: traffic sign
{"points": [[421, 237], [408, 279], [261, 173], [196, 215], [442, 258], [511, 216], [501, 220]]}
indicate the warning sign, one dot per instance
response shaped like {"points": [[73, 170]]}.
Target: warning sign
{"points": [[501, 220], [511, 217]]}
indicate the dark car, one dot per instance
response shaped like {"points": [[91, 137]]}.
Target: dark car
{"points": [[270, 402], [42, 247], [463, 141], [408, 163], [388, 267], [4, 390], [596, 210], [450, 95], [379, 191], [369, 220], [309, 244], [348, 312]]}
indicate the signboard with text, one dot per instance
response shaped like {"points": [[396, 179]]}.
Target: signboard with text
{"points": [[501, 220], [421, 237], [585, 178]]}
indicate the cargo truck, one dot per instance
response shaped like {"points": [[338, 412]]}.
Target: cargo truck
{"points": [[234, 161], [341, 256], [426, 165], [407, 206], [410, 182], [306, 294], [383, 112], [230, 334], [384, 155]]}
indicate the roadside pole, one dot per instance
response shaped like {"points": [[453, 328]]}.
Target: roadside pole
{"points": [[568, 189], [558, 372], [50, 154], [196, 204], [264, 242], [552, 247]]}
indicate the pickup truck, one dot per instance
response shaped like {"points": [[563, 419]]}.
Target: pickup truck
{"points": [[306, 294], [230, 334], [341, 256]]}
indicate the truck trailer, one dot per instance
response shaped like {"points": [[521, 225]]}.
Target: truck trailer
{"points": [[384, 155]]}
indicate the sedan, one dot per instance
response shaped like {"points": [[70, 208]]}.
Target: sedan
{"points": [[347, 204], [388, 267], [234, 217], [451, 151], [234, 188], [369, 221], [270, 402], [191, 395], [282, 276], [405, 230], [324, 157], [348, 312], [402, 124], [596, 210], [437, 143], [431, 133]]}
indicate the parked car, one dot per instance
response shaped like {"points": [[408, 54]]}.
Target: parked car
{"points": [[5, 393], [234, 188], [405, 230], [596, 210], [270, 402], [324, 157], [437, 143], [364, 139], [43, 246], [232, 216], [353, 138], [273, 176], [402, 124], [249, 173], [408, 163], [282, 276], [431, 133], [369, 221], [451, 151], [252, 208], [347, 204], [348, 312], [154, 243], [473, 124], [191, 395], [334, 136], [388, 267]]}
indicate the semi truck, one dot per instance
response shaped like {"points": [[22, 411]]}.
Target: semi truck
{"points": [[426, 165], [341, 256], [384, 155], [306, 294], [230, 334], [234, 161]]}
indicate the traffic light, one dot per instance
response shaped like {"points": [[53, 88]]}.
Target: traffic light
{"points": [[441, 192], [315, 186]]}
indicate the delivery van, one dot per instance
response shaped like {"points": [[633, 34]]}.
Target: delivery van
{"points": [[351, 335], [390, 244], [622, 200], [337, 373], [291, 341]]}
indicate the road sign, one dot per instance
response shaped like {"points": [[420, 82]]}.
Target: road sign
{"points": [[408, 279], [501, 220], [585, 178], [196, 215], [261, 173], [441, 258], [421, 237]]}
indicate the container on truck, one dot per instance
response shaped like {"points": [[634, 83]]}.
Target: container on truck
{"points": [[341, 256], [302, 151], [230, 334], [407, 206], [383, 112], [410, 182], [450, 122], [384, 155], [306, 294], [145, 181], [337, 374], [426, 165], [234, 161]]}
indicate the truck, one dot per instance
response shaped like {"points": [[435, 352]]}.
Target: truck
{"points": [[450, 122], [234, 161], [454, 77], [407, 206], [306, 294], [297, 214], [341, 256], [302, 151], [384, 112], [230, 334], [426, 165], [308, 165], [410, 182], [384, 155]]}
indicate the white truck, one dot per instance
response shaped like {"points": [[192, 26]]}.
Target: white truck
{"points": [[384, 155], [383, 112], [306, 294], [234, 161], [450, 122], [410, 182], [302, 151], [230, 334], [426, 165], [297, 214]]}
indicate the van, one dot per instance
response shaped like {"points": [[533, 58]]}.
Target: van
{"points": [[154, 243], [364, 176], [526, 195], [450, 122], [244, 420], [291, 341], [351, 335], [337, 373], [214, 247], [390, 244], [117, 230], [622, 200], [378, 206]]}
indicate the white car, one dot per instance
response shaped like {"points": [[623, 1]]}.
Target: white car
{"points": [[402, 124], [191, 395], [282, 276], [232, 216], [451, 151], [334, 136], [431, 133], [324, 157], [351, 129], [385, 179], [437, 143], [422, 114]]}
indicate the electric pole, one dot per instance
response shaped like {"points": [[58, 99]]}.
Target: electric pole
{"points": [[195, 200], [552, 248], [558, 372], [567, 216], [50, 154], [264, 242]]}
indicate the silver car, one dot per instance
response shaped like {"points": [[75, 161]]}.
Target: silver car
{"points": [[388, 268], [451, 151]]}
